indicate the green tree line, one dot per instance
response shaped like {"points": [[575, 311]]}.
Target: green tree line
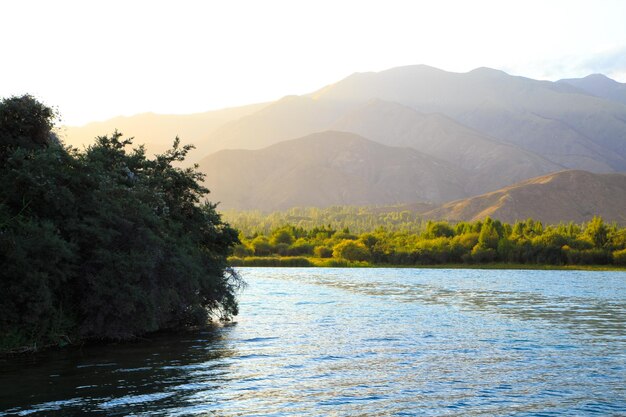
{"points": [[357, 219], [102, 243], [440, 242]]}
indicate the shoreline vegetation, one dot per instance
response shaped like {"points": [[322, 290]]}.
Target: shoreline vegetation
{"points": [[104, 243], [302, 262], [486, 243]]}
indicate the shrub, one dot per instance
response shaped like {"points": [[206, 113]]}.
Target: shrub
{"points": [[351, 251], [322, 252], [103, 243], [619, 257]]}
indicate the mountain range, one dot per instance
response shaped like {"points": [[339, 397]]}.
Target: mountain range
{"points": [[326, 169], [564, 196], [405, 135]]}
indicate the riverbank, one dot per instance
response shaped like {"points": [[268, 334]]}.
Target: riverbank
{"points": [[299, 261]]}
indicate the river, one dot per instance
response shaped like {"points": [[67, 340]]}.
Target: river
{"points": [[360, 342]]}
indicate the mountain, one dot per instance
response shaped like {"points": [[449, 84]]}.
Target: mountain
{"points": [[554, 120], [441, 137], [325, 169], [559, 197], [599, 85], [158, 131], [289, 118], [410, 134]]}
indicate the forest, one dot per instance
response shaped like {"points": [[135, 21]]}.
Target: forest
{"points": [[359, 219], [102, 243], [425, 243]]}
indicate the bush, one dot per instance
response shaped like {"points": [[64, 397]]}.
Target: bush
{"points": [[619, 257], [438, 229], [261, 246], [588, 257], [322, 252], [240, 250], [482, 255], [103, 243], [300, 247], [351, 251]]}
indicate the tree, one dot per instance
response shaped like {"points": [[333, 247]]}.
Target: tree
{"points": [[597, 232], [351, 251], [261, 246], [282, 235], [104, 243], [438, 229], [322, 252], [24, 123], [488, 237]]}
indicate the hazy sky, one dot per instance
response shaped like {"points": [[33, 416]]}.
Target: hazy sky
{"points": [[97, 59]]}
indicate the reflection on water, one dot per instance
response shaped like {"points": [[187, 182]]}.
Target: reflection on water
{"points": [[115, 379], [360, 342]]}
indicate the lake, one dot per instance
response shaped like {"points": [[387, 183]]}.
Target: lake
{"points": [[360, 342]]}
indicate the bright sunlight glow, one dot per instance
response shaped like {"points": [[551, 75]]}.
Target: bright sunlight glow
{"points": [[99, 59]]}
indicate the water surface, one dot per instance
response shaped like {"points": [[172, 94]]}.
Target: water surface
{"points": [[360, 342]]}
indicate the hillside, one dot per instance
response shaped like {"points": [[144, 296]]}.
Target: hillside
{"points": [[472, 133], [157, 131], [288, 118], [567, 123], [489, 163], [560, 197], [599, 85], [328, 168], [554, 120]]}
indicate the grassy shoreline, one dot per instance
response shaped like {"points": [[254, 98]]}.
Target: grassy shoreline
{"points": [[287, 262]]}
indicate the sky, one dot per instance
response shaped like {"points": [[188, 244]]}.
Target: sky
{"points": [[94, 60]]}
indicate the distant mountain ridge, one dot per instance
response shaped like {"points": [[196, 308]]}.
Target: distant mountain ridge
{"points": [[327, 168], [559, 197], [413, 134], [157, 131], [599, 85], [441, 137], [551, 119]]}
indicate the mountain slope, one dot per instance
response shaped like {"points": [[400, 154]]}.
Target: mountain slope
{"points": [[324, 169], [600, 86], [289, 118], [558, 121], [439, 136], [560, 197], [553, 120], [157, 131]]}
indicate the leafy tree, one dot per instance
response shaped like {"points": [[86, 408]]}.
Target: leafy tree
{"points": [[351, 251], [369, 240], [282, 235], [323, 252], [617, 238], [24, 123], [438, 229], [488, 237], [104, 243], [619, 257], [597, 232], [261, 246], [467, 240]]}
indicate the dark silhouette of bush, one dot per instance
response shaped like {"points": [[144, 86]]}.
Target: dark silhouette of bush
{"points": [[104, 243]]}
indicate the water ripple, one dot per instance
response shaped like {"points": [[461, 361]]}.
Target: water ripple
{"points": [[366, 342]]}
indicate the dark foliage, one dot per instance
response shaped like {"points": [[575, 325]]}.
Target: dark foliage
{"points": [[104, 243]]}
